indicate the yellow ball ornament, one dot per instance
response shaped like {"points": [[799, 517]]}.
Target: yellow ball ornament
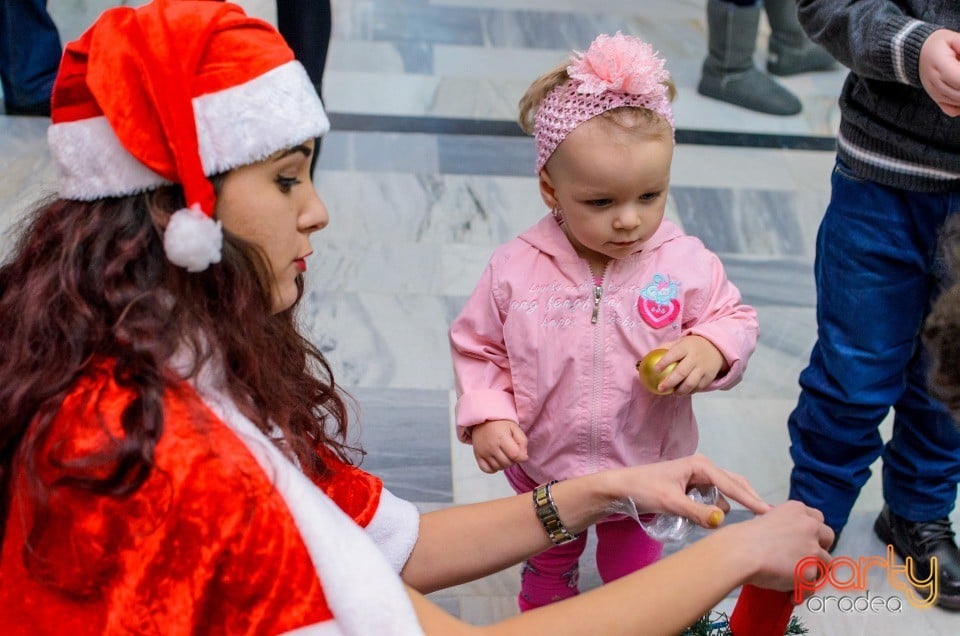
{"points": [[649, 376]]}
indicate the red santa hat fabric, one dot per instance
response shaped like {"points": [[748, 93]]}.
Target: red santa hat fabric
{"points": [[176, 91]]}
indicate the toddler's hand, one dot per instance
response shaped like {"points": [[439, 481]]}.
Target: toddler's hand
{"points": [[698, 364], [498, 444], [940, 70]]}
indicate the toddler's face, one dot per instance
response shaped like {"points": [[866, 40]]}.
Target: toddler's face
{"points": [[611, 184]]}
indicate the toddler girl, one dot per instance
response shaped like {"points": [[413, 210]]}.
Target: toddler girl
{"points": [[545, 348]]}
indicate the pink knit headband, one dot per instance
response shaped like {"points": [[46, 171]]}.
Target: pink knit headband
{"points": [[618, 70]]}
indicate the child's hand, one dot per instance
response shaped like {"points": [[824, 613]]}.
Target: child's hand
{"points": [[498, 444], [698, 364], [940, 69]]}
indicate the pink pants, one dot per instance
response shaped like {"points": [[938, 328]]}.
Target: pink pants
{"points": [[622, 547]]}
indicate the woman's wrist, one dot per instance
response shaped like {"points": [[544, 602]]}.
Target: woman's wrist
{"points": [[734, 545], [583, 501]]}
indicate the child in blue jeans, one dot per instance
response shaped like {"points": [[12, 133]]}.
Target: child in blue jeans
{"points": [[896, 181]]}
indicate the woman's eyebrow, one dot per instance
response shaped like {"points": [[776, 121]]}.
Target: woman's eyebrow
{"points": [[301, 148]]}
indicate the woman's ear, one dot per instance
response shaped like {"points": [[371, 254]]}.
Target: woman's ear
{"points": [[547, 191]]}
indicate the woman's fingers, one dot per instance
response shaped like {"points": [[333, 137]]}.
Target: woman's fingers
{"points": [[732, 485]]}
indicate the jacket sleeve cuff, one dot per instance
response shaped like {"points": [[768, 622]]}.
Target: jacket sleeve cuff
{"points": [[906, 38], [735, 349], [476, 407]]}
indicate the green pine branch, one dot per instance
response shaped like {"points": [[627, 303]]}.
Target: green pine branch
{"points": [[718, 624]]}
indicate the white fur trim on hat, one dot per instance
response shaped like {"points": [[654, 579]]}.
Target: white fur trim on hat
{"points": [[192, 239], [235, 127], [92, 164], [232, 125]]}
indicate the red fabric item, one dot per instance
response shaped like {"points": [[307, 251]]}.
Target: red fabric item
{"points": [[205, 546], [356, 492], [761, 612]]}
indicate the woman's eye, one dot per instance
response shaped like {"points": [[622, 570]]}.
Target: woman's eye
{"points": [[286, 183]]}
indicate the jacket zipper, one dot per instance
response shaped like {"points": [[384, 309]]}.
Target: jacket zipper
{"points": [[597, 373], [597, 295]]}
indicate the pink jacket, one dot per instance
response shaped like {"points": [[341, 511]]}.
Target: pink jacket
{"points": [[526, 347]]}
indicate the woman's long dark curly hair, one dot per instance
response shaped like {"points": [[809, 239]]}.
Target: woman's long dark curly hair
{"points": [[89, 281]]}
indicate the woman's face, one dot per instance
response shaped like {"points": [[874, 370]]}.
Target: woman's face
{"points": [[273, 204]]}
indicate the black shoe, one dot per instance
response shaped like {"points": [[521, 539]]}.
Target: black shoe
{"points": [[922, 540]]}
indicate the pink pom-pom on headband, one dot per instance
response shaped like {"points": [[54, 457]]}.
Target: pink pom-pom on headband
{"points": [[618, 70]]}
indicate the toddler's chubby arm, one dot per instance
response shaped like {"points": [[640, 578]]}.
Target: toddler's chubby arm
{"points": [[719, 332], [699, 363], [486, 413], [498, 444]]}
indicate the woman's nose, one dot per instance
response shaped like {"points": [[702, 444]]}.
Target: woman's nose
{"points": [[314, 216]]}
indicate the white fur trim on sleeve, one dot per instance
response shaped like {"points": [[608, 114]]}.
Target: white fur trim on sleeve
{"points": [[329, 628], [395, 528]]}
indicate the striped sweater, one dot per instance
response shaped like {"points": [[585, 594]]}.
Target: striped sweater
{"points": [[891, 132]]}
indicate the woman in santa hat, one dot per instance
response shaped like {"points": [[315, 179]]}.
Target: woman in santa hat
{"points": [[173, 454]]}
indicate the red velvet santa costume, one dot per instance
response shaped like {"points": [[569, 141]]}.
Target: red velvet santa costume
{"points": [[226, 535]]}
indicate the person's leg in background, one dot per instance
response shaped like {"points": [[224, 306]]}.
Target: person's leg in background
{"points": [[790, 51], [872, 282], [623, 547], [29, 56], [306, 25], [876, 272], [921, 468], [729, 73]]}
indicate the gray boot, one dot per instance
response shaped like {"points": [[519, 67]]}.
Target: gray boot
{"points": [[790, 50], [728, 72]]}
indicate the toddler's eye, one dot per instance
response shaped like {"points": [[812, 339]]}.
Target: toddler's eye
{"points": [[600, 203], [286, 183], [649, 196]]}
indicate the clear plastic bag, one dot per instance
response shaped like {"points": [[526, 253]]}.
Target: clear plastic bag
{"points": [[666, 527]]}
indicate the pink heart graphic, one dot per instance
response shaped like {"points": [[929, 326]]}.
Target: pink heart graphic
{"points": [[657, 315]]}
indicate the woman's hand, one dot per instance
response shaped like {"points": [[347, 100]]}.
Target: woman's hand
{"points": [[663, 486], [779, 539]]}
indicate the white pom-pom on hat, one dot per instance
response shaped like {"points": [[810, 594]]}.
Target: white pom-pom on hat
{"points": [[192, 239]]}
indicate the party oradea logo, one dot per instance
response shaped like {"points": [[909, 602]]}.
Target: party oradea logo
{"points": [[844, 574]]}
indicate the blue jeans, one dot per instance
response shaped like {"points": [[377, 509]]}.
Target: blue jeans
{"points": [[29, 52], [877, 273]]}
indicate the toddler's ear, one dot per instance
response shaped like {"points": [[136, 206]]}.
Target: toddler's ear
{"points": [[547, 191]]}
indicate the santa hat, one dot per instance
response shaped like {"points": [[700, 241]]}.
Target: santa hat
{"points": [[176, 91]]}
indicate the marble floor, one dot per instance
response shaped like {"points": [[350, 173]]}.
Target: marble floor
{"points": [[425, 173]]}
